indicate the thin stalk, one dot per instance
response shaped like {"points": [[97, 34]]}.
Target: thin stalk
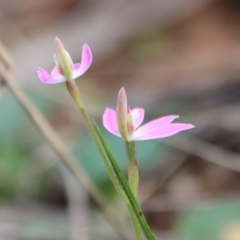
{"points": [[75, 93], [136, 226], [130, 148], [133, 180], [133, 172], [132, 200], [100, 150]]}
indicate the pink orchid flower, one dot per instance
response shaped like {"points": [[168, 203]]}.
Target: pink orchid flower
{"points": [[125, 122], [65, 69]]}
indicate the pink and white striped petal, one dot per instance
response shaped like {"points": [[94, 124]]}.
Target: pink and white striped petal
{"points": [[110, 121], [86, 60], [45, 77], [146, 132], [137, 116]]}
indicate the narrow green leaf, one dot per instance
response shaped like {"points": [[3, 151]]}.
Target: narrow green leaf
{"points": [[132, 200]]}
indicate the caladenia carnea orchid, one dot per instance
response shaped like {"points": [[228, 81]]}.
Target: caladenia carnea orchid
{"points": [[66, 71], [125, 123]]}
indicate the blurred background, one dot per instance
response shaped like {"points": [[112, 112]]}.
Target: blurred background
{"points": [[173, 57]]}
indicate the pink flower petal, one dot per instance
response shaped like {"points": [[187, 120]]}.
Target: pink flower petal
{"points": [[45, 77], [57, 76], [110, 121], [137, 116], [162, 131], [76, 70], [160, 122], [80, 69]]}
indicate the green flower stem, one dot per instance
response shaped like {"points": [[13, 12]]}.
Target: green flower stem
{"points": [[133, 172], [75, 93], [127, 190], [136, 226], [130, 148], [133, 179]]}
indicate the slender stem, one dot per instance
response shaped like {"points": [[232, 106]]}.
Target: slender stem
{"points": [[130, 148], [126, 188], [133, 172], [136, 226], [99, 147], [75, 93], [133, 180]]}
